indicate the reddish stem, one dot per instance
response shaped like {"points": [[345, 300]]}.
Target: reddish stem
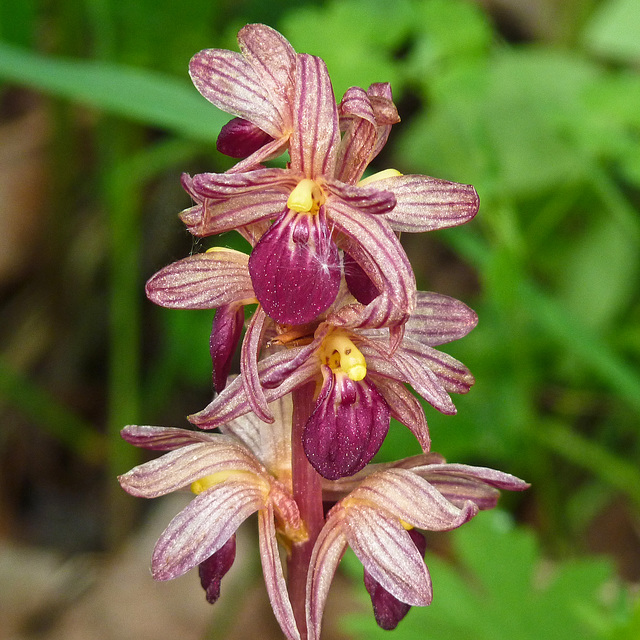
{"points": [[307, 491]]}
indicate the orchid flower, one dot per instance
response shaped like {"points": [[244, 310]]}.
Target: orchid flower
{"points": [[319, 206], [361, 384], [234, 474], [376, 519]]}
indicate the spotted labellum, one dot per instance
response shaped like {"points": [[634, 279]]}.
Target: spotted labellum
{"points": [[334, 341]]}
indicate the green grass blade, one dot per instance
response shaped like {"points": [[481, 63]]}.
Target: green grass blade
{"points": [[144, 96]]}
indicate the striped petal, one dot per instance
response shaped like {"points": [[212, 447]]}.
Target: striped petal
{"points": [[385, 113], [460, 483], [327, 553], [414, 371], [452, 374], [274, 60], [181, 467], [163, 438], [370, 200], [316, 133], [211, 217], [438, 319], [388, 554], [405, 408], [360, 137], [411, 498], [202, 281], [274, 576], [426, 204], [372, 243], [231, 83], [249, 365], [220, 186], [277, 378], [204, 526]]}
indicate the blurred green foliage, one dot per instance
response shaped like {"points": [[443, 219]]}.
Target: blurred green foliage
{"points": [[501, 588], [548, 131]]}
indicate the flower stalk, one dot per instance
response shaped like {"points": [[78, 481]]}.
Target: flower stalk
{"points": [[338, 333], [307, 492]]}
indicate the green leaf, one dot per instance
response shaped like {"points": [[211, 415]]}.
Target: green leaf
{"points": [[599, 274], [613, 31], [150, 98]]}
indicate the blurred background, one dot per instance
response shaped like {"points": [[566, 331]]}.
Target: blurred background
{"points": [[536, 103]]}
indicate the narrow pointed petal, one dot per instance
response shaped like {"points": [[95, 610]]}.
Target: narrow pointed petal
{"points": [[405, 408], [372, 243], [215, 567], [360, 136], [347, 427], [385, 113], [163, 438], [327, 553], [181, 467], [273, 149], [273, 575], [316, 134], [452, 374], [412, 499], [460, 483], [239, 138], [249, 366], [276, 377], [203, 526], [295, 268], [387, 609], [274, 60], [226, 331], [388, 553], [439, 319], [231, 83], [202, 281], [219, 186], [382, 311], [370, 200], [426, 204], [406, 368], [212, 217]]}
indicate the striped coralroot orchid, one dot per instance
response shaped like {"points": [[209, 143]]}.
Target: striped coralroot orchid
{"points": [[339, 340]]}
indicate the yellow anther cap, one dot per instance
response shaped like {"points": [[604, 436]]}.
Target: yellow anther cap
{"points": [[339, 353], [306, 197]]}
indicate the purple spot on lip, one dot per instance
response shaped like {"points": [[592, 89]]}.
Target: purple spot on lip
{"points": [[295, 268]]}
